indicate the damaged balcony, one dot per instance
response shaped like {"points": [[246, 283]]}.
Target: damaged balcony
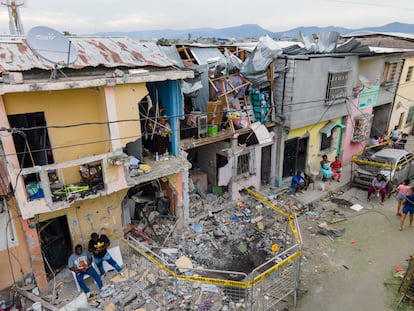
{"points": [[51, 187], [48, 190], [154, 169]]}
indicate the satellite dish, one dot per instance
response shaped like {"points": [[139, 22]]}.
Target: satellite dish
{"points": [[52, 45]]}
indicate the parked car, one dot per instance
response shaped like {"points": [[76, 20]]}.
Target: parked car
{"points": [[394, 164]]}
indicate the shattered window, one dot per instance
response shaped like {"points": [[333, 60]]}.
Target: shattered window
{"points": [[245, 164], [337, 86]]}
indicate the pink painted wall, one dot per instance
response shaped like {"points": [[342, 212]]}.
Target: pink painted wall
{"points": [[350, 148]]}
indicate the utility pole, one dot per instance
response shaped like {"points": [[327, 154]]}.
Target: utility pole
{"points": [[15, 23]]}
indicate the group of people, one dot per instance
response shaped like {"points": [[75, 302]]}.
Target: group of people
{"points": [[329, 170], [398, 138], [404, 195], [80, 262]]}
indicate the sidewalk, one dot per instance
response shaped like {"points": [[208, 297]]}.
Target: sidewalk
{"points": [[315, 191]]}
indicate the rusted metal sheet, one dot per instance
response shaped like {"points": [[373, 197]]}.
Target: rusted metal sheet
{"points": [[16, 55]]}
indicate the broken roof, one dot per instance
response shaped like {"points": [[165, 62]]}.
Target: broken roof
{"points": [[405, 36], [111, 52]]}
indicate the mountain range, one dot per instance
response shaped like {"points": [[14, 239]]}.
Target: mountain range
{"points": [[251, 31]]}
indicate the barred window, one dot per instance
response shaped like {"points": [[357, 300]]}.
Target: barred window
{"points": [[245, 164], [337, 86]]}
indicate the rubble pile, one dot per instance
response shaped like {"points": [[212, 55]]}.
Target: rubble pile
{"points": [[226, 240]]}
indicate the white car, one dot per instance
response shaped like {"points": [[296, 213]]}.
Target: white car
{"points": [[394, 164]]}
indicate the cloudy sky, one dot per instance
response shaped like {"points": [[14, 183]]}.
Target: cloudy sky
{"points": [[90, 16]]}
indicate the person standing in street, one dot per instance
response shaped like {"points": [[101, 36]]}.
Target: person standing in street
{"points": [[395, 133], [402, 191], [98, 247], [408, 209]]}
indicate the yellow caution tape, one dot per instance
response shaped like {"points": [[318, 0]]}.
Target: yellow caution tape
{"points": [[238, 284]]}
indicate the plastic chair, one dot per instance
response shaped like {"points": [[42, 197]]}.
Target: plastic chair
{"points": [[115, 253]]}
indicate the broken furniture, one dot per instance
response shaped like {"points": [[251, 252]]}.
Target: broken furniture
{"points": [[115, 253]]}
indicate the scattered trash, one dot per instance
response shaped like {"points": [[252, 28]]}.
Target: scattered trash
{"points": [[310, 213], [323, 225], [357, 207], [333, 233], [275, 248], [184, 263], [353, 241], [398, 268], [342, 202], [346, 267], [242, 247], [197, 228]]}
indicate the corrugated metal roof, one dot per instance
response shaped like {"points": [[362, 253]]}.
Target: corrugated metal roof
{"points": [[203, 55], [407, 36], [171, 52], [16, 55]]}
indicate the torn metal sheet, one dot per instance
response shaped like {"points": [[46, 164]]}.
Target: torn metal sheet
{"points": [[325, 42], [255, 66], [262, 134], [208, 56]]}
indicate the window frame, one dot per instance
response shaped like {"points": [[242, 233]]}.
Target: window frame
{"points": [[410, 116], [409, 73], [246, 168], [325, 139], [337, 86], [390, 70]]}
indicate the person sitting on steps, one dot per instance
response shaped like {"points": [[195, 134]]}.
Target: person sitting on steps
{"points": [[299, 183]]}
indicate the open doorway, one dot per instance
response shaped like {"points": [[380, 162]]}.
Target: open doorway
{"points": [[55, 242], [266, 164], [294, 157]]}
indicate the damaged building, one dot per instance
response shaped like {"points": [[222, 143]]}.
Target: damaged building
{"points": [[72, 141]]}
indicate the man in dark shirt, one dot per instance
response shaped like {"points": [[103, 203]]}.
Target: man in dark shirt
{"points": [[98, 247]]}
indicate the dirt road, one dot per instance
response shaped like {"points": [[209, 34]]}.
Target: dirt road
{"points": [[339, 275]]}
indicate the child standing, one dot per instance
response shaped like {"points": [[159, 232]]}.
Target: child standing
{"points": [[403, 190]]}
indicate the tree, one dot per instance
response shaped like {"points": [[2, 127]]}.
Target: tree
{"points": [[163, 41]]}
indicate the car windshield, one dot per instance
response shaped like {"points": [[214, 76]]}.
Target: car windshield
{"points": [[382, 159]]}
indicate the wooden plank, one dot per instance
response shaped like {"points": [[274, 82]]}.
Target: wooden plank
{"points": [[35, 298], [223, 89]]}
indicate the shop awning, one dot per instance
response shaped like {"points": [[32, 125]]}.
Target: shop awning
{"points": [[327, 129]]}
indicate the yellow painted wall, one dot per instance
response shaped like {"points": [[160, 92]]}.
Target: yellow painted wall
{"points": [[67, 107], [19, 255], [405, 96], [314, 154], [92, 215], [127, 98]]}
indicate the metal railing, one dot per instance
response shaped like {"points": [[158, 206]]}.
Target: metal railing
{"points": [[208, 289]]}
